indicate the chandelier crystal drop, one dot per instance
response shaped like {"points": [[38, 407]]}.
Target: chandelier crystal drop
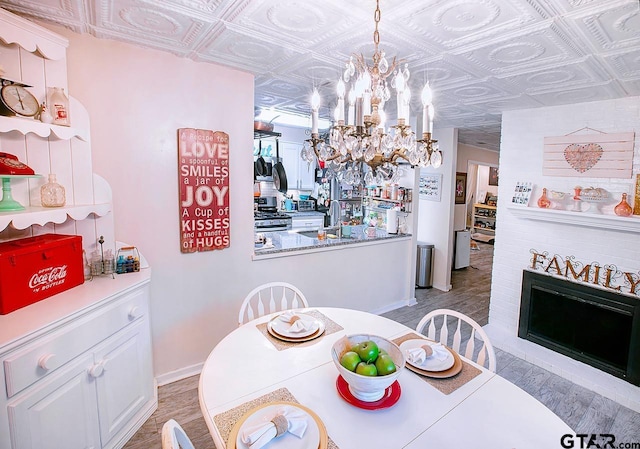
{"points": [[361, 140]]}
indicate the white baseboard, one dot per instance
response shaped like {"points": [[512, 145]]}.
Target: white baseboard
{"points": [[182, 373], [394, 306]]}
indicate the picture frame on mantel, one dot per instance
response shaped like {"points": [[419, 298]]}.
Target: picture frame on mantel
{"points": [[461, 188]]}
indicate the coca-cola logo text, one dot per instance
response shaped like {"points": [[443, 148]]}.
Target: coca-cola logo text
{"points": [[48, 277]]}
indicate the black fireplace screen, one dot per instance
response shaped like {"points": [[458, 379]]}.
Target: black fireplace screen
{"points": [[591, 325]]}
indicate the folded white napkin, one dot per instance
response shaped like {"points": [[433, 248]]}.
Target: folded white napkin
{"points": [[285, 419], [418, 356], [298, 324]]}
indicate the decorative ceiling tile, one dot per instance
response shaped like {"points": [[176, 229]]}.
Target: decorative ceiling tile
{"points": [[530, 49], [611, 28], [169, 29], [236, 47], [600, 91], [626, 65], [453, 23], [68, 13]]}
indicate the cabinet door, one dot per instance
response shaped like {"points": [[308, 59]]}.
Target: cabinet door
{"points": [[306, 173], [61, 412], [124, 379], [290, 153]]}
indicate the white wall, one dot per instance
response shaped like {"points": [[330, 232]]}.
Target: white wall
{"points": [[521, 157], [435, 218], [137, 99]]}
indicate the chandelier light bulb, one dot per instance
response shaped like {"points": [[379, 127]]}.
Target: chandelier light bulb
{"points": [[427, 95], [351, 112], [315, 105], [340, 88]]}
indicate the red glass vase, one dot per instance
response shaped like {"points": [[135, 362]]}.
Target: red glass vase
{"points": [[623, 209]]}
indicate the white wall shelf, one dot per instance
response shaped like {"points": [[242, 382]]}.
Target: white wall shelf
{"points": [[26, 126], [610, 222], [43, 215]]}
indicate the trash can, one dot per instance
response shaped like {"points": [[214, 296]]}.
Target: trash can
{"points": [[424, 262]]}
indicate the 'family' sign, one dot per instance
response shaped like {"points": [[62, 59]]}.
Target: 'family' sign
{"points": [[203, 165]]}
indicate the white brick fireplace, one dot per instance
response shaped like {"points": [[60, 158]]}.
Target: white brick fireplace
{"points": [[521, 155]]}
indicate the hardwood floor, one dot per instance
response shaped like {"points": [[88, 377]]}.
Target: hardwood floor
{"points": [[583, 410]]}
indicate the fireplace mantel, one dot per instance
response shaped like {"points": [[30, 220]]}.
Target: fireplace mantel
{"points": [[611, 222]]}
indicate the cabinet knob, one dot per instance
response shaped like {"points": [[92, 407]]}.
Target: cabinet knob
{"points": [[96, 370], [47, 361], [134, 312]]}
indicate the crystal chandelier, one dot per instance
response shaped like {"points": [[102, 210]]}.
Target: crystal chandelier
{"points": [[362, 141]]}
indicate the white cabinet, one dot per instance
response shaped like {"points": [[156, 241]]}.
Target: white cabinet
{"points": [[85, 382], [75, 368], [300, 174]]}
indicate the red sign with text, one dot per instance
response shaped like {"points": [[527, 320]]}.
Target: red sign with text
{"points": [[203, 161]]}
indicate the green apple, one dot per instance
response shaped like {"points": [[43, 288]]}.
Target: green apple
{"points": [[367, 350], [350, 360], [385, 365], [366, 369]]}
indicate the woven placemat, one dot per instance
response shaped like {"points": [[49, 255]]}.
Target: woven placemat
{"points": [[330, 327], [450, 384], [224, 421]]}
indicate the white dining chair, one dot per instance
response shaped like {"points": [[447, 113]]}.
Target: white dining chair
{"points": [[269, 298], [485, 356], [174, 436]]}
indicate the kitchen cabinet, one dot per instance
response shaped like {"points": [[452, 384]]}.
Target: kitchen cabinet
{"points": [[483, 222], [300, 174], [83, 378]]}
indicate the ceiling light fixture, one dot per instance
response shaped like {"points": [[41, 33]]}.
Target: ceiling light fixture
{"points": [[361, 141]]}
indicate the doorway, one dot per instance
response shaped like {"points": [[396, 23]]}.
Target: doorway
{"points": [[482, 201]]}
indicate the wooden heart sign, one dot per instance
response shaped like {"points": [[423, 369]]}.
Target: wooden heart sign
{"points": [[583, 157]]}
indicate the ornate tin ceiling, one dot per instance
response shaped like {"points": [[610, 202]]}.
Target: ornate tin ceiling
{"points": [[481, 56]]}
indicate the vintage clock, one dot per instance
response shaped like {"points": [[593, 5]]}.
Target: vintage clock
{"points": [[16, 100]]}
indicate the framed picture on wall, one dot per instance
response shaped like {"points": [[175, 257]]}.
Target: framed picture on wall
{"points": [[430, 186], [461, 188], [493, 176]]}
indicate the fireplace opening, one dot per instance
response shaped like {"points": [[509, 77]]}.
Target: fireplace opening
{"points": [[594, 326]]}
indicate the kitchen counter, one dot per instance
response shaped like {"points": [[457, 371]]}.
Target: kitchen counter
{"points": [[285, 243]]}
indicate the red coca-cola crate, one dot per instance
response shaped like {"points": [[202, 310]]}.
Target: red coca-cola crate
{"points": [[34, 268]]}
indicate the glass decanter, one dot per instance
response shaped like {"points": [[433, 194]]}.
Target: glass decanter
{"points": [[52, 194], [544, 202], [623, 209]]}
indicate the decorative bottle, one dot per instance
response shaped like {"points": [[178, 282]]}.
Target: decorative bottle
{"points": [[45, 116], [623, 209], [543, 201], [59, 104], [52, 193]]}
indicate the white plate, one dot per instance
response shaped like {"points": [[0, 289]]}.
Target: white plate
{"points": [[283, 327], [430, 363], [310, 439]]}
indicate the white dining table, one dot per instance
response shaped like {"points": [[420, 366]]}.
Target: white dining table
{"points": [[486, 412]]}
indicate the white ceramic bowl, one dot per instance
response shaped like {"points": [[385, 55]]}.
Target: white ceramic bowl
{"points": [[367, 388]]}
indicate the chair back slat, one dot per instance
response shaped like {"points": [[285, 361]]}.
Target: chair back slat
{"points": [[471, 344], [457, 338], [444, 331], [432, 330], [268, 297], [485, 357]]}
